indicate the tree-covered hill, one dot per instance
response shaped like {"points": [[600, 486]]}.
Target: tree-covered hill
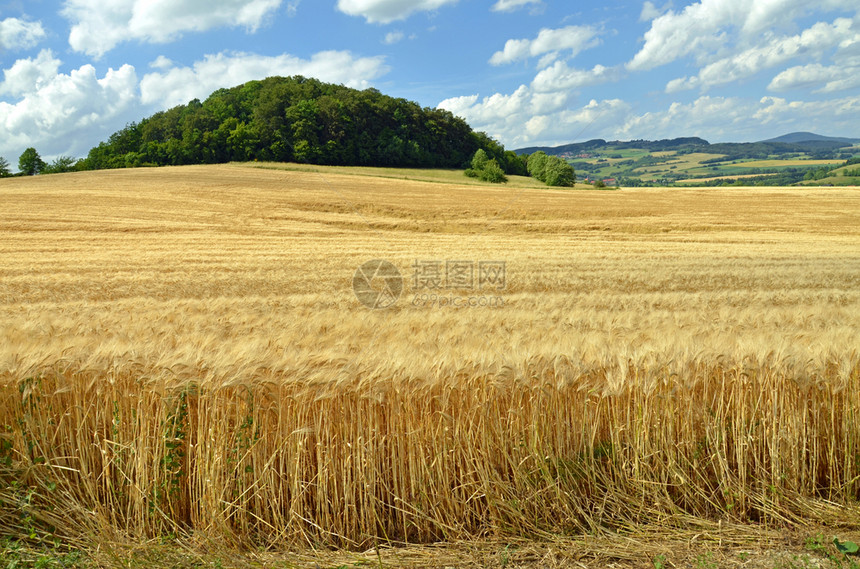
{"points": [[300, 120], [800, 137]]}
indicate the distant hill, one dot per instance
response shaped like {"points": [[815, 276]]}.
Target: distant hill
{"points": [[695, 160], [799, 137], [798, 142], [653, 146]]}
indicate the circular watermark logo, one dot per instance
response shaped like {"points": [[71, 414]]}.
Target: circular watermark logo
{"points": [[377, 284]]}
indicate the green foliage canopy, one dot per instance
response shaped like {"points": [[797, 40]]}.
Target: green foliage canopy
{"points": [[551, 170], [297, 119], [59, 165], [537, 164], [492, 172], [558, 172], [30, 163], [486, 168], [480, 159]]}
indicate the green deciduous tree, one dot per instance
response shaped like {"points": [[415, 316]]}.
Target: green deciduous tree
{"points": [[59, 165], [558, 172], [480, 159], [551, 170], [486, 168], [493, 149], [30, 163], [492, 172], [537, 164], [516, 163], [298, 119]]}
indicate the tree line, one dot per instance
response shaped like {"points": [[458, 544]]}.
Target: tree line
{"points": [[551, 170], [30, 164]]}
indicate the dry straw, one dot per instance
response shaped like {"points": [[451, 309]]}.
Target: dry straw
{"points": [[542, 449]]}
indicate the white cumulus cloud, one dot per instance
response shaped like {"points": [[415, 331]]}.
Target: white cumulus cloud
{"points": [[501, 116], [650, 11], [69, 113], [675, 35], [708, 117], [61, 113], [385, 11], [544, 110], [560, 77], [20, 34], [525, 118], [548, 41], [793, 114], [710, 27], [773, 51], [177, 85], [737, 119], [392, 38], [591, 121], [803, 76], [824, 79], [30, 75], [98, 26], [511, 5]]}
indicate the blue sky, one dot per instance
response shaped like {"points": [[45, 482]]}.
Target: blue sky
{"points": [[528, 72]]}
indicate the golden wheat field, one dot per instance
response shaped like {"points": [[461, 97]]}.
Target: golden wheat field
{"points": [[182, 353]]}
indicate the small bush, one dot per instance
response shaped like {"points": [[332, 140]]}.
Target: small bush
{"points": [[486, 169], [479, 160], [558, 172], [537, 165], [551, 170], [492, 172]]}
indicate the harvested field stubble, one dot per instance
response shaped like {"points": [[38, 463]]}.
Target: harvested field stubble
{"points": [[182, 353]]}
